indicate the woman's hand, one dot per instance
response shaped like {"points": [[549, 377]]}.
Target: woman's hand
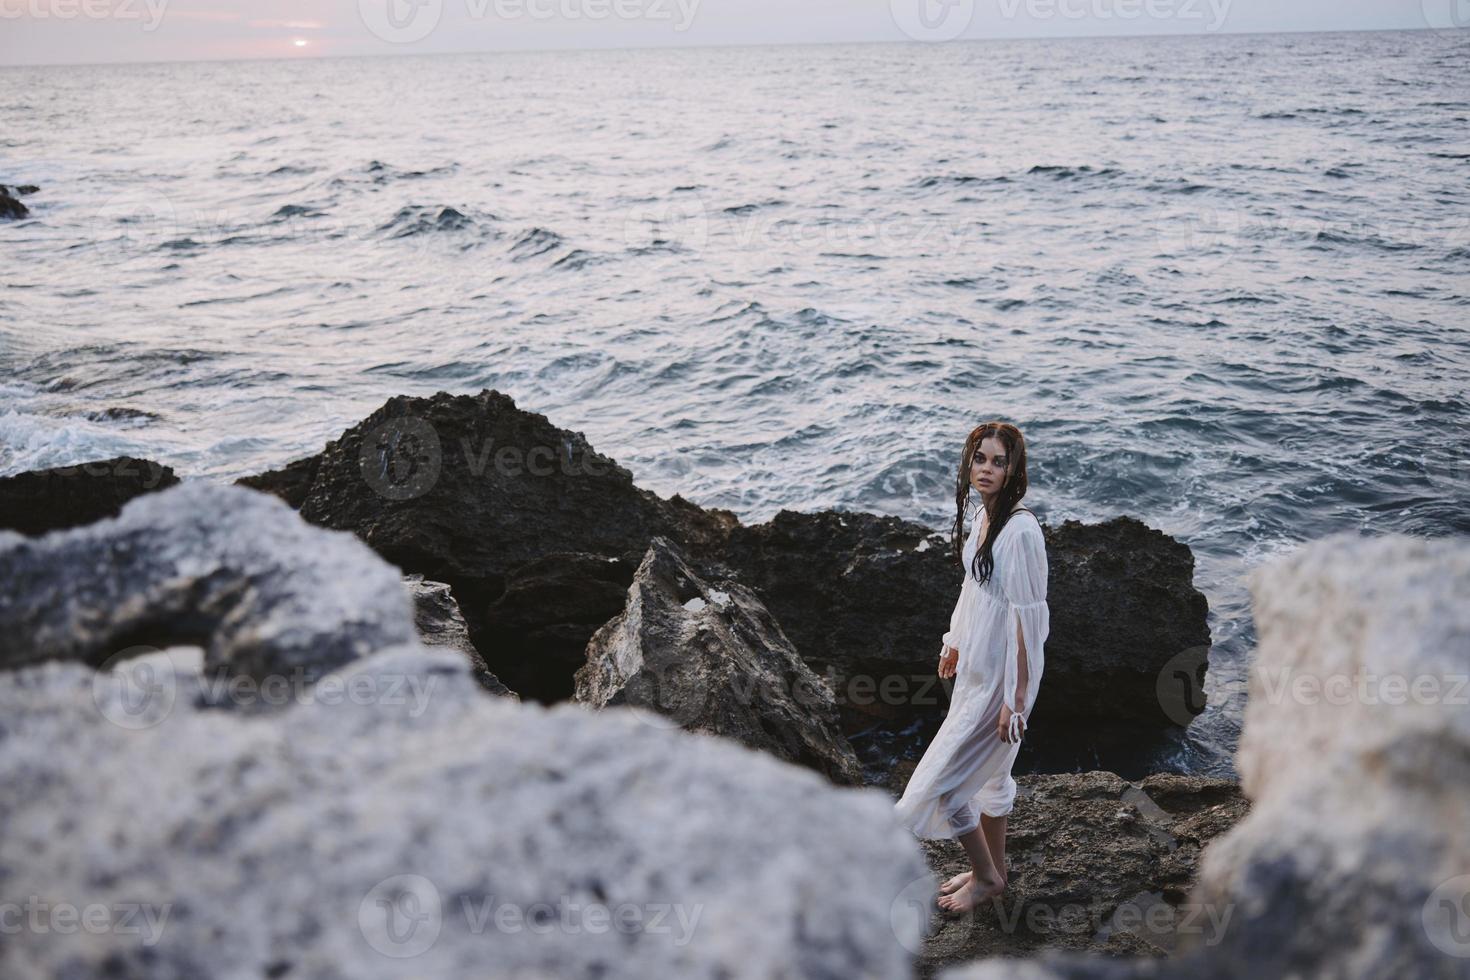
{"points": [[1003, 726], [949, 658]]}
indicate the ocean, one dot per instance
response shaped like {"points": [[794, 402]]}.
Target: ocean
{"points": [[1219, 282]]}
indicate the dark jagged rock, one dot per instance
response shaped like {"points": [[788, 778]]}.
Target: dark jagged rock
{"points": [[863, 595], [68, 496], [538, 535], [122, 413], [539, 626], [437, 618], [1126, 621], [709, 657], [10, 208], [867, 598], [291, 482], [224, 568], [475, 486], [1095, 863], [467, 489]]}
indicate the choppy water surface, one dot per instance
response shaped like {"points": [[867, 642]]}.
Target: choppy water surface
{"points": [[1220, 283]]}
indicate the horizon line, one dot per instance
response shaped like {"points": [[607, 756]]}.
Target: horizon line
{"points": [[1165, 35]]}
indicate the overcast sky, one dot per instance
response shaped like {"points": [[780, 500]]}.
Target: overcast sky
{"points": [[84, 31]]}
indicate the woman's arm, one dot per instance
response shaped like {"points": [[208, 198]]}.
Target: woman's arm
{"points": [[1023, 580], [1012, 722], [1023, 669]]}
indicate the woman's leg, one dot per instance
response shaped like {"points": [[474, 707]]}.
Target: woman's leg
{"points": [[994, 831], [985, 881]]}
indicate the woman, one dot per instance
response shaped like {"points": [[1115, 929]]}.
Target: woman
{"points": [[962, 787]]}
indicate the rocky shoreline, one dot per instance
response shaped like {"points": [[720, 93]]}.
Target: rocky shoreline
{"points": [[462, 542], [539, 537]]}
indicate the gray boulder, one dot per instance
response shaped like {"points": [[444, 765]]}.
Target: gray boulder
{"points": [[1356, 753], [709, 657], [401, 823], [222, 567]]}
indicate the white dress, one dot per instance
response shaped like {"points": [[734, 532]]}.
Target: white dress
{"points": [[966, 770]]}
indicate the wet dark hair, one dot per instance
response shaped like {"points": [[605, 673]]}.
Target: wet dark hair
{"points": [[1011, 491]]}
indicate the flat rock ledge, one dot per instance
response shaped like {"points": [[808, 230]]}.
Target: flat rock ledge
{"points": [[1096, 864]]}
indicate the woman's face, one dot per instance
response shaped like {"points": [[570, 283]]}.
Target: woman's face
{"points": [[990, 467]]}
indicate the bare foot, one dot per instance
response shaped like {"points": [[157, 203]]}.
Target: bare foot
{"points": [[954, 882], [961, 879], [972, 893]]}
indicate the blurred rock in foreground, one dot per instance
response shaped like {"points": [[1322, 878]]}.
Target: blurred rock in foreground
{"points": [[228, 569], [403, 820]]}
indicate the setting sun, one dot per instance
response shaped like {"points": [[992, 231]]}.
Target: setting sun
{"points": [[300, 42]]}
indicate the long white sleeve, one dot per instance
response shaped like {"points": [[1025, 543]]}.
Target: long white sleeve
{"points": [[954, 635], [1022, 576]]}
